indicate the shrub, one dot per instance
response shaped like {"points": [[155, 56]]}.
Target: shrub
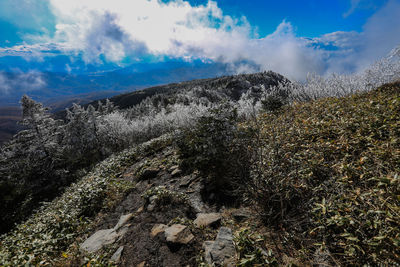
{"points": [[216, 148], [250, 250], [330, 169]]}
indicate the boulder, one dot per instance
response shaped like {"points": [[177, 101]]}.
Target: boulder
{"points": [[99, 239], [178, 234], [107, 236], [207, 219], [220, 252]]}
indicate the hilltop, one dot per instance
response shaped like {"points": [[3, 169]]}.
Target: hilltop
{"points": [[313, 183]]}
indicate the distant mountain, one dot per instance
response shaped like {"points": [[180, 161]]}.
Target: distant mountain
{"points": [[62, 85], [231, 86], [60, 90]]}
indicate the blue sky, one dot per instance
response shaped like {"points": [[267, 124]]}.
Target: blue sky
{"points": [[312, 18], [290, 37]]}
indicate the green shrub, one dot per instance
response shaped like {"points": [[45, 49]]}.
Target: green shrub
{"points": [[216, 148], [250, 250], [330, 169]]}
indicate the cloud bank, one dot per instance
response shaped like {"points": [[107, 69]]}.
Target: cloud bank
{"points": [[19, 81], [102, 30], [356, 51]]}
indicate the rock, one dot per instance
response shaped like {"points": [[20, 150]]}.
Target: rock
{"points": [[139, 210], [106, 236], [173, 168], [178, 233], [207, 219], [207, 245], [99, 239], [148, 174], [116, 257], [123, 220], [176, 172], [186, 180], [158, 228], [220, 252], [195, 199], [152, 203]]}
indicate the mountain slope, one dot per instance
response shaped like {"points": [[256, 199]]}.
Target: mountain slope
{"points": [[232, 86], [327, 190]]}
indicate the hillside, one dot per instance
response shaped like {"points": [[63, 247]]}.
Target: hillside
{"points": [[313, 183], [232, 86], [38, 163]]}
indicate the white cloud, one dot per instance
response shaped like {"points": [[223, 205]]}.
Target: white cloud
{"points": [[114, 30], [119, 28], [28, 81], [356, 51]]}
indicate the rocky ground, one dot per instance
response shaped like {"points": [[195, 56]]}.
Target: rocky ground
{"points": [[164, 221]]}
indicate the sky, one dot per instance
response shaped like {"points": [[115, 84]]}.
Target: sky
{"points": [[287, 36]]}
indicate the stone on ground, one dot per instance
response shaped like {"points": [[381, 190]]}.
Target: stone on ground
{"points": [[158, 228], [220, 252], [99, 239], [107, 236], [207, 219], [116, 257], [179, 234]]}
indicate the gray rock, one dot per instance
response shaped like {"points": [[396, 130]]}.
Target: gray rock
{"points": [[222, 250], [116, 257], [152, 203], [195, 199], [186, 180], [178, 233], [99, 239], [123, 220], [107, 236], [207, 246], [207, 219]]}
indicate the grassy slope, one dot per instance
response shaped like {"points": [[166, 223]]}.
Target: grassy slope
{"points": [[332, 169]]}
